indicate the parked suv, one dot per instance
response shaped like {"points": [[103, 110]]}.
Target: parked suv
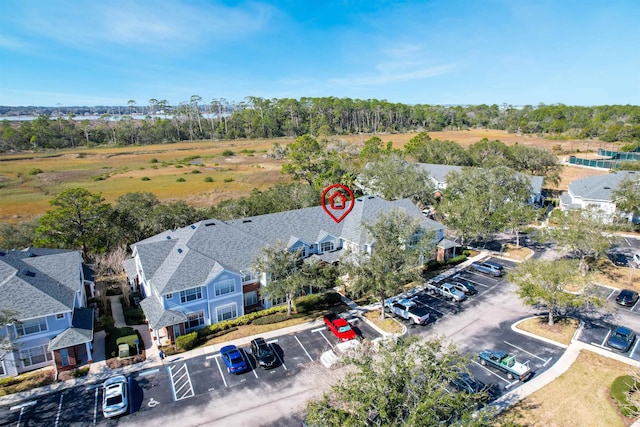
{"points": [[263, 353], [485, 267]]}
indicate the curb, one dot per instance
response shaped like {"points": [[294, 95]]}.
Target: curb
{"points": [[514, 328]]}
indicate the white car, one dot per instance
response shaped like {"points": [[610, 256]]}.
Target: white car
{"points": [[115, 399], [332, 358]]}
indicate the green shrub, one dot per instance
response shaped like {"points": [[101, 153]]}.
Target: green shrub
{"points": [[181, 179], [195, 171], [619, 389], [80, 372], [228, 180], [133, 315], [154, 160], [456, 260], [208, 179], [314, 302], [104, 323], [35, 171], [274, 318], [228, 153], [187, 342], [145, 178], [179, 166], [555, 215]]}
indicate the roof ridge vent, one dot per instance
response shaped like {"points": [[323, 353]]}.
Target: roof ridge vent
{"points": [[179, 250], [27, 272]]}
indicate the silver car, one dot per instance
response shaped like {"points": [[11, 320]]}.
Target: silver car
{"points": [[115, 399]]}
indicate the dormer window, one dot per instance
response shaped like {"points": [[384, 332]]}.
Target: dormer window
{"points": [[326, 246]]}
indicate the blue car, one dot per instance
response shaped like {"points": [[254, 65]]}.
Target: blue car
{"points": [[233, 359]]}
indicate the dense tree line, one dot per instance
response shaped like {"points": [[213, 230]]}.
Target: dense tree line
{"points": [[265, 118]]}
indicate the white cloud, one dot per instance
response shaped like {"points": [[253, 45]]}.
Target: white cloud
{"points": [[50, 99], [163, 25], [394, 73], [11, 43]]}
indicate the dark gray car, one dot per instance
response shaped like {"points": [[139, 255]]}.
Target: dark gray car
{"points": [[263, 353], [621, 339]]}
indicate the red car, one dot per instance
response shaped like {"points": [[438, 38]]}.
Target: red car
{"points": [[340, 327]]}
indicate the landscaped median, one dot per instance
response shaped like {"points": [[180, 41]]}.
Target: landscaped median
{"points": [[561, 332]]}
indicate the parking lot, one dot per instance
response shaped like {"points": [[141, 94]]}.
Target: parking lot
{"points": [[180, 380]]}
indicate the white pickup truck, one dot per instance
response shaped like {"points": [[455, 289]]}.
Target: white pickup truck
{"points": [[407, 309], [446, 290]]}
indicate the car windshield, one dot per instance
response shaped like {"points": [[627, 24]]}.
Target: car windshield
{"points": [[114, 400], [345, 328], [621, 335], [263, 352]]}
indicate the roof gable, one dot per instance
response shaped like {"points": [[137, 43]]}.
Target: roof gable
{"points": [[599, 188]]}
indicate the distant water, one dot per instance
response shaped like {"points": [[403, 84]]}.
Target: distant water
{"points": [[112, 118]]}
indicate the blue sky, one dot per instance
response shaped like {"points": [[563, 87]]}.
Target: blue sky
{"points": [[517, 52]]}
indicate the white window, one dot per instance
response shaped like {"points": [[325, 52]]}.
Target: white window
{"points": [[326, 246], [64, 357], [250, 298], [195, 319], [190, 295], [278, 301], [32, 326], [248, 276], [224, 287], [169, 296], [2, 371], [227, 312], [34, 355], [60, 316]]}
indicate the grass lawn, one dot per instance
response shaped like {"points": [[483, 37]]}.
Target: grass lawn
{"points": [[561, 331], [580, 397], [117, 336], [169, 172], [517, 254], [388, 324]]}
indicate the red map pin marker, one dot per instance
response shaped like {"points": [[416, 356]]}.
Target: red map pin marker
{"points": [[340, 201]]}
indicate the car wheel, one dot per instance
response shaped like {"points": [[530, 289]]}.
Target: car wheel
{"points": [[483, 362]]}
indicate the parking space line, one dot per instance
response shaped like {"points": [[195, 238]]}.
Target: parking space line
{"points": [[95, 407], [606, 338], [522, 349], [633, 349], [59, 410], [490, 371], [475, 282], [613, 291], [148, 372], [547, 362], [634, 305], [189, 392], [221, 373], [317, 329], [305, 350], [253, 368], [428, 306], [23, 405], [325, 338], [279, 359]]}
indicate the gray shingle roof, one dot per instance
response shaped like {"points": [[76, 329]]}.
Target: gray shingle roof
{"points": [[80, 332], [600, 188], [439, 172], [157, 316], [193, 255], [39, 282]]}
